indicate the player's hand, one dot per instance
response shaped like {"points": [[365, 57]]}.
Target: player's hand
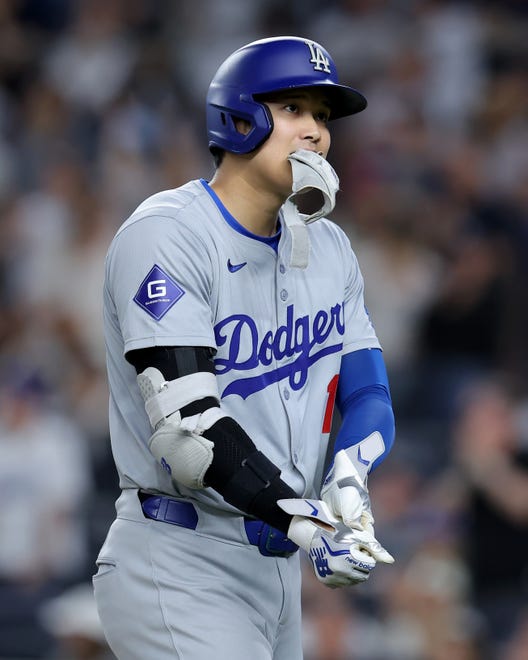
{"points": [[340, 559], [340, 556], [345, 493], [347, 497]]}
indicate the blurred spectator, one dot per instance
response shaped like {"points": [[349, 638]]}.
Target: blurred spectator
{"points": [[461, 329], [401, 276], [491, 452], [72, 620], [44, 479], [91, 63], [39, 228], [451, 37], [425, 610], [76, 282]]}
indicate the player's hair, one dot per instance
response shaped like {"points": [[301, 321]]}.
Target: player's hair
{"points": [[218, 156], [262, 67]]}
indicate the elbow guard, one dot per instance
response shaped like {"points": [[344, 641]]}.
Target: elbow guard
{"points": [[178, 444]]}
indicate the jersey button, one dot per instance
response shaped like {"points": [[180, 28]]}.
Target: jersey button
{"points": [[286, 393], [282, 268], [295, 457], [284, 294]]}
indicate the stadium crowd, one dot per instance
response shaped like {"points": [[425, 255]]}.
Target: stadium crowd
{"points": [[101, 104]]}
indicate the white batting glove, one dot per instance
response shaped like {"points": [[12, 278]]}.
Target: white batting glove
{"points": [[339, 563], [346, 495], [344, 492], [339, 556]]}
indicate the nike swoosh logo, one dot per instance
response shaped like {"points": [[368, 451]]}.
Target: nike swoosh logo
{"points": [[234, 267]]}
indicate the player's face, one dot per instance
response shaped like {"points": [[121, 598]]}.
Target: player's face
{"points": [[300, 120]]}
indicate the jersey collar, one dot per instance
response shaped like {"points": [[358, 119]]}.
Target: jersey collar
{"points": [[272, 241]]}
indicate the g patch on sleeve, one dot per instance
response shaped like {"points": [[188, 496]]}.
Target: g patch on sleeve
{"points": [[158, 293]]}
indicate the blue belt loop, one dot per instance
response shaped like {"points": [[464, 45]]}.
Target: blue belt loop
{"points": [[165, 509]]}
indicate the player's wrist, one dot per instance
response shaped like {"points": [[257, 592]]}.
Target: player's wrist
{"points": [[302, 531], [265, 507], [308, 518]]}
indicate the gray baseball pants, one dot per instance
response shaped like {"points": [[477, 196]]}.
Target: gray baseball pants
{"points": [[166, 592]]}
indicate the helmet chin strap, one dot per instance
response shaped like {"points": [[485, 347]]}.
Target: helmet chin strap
{"points": [[310, 171]]}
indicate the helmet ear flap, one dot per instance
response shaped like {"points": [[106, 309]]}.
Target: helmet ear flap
{"points": [[223, 132]]}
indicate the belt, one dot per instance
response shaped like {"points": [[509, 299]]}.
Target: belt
{"points": [[271, 542]]}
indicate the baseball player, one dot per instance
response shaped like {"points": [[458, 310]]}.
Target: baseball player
{"points": [[233, 324]]}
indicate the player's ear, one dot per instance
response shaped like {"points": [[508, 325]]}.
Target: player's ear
{"points": [[242, 126]]}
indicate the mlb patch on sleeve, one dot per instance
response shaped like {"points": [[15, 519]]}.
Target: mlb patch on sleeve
{"points": [[158, 293]]}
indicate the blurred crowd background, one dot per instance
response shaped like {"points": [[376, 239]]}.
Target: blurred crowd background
{"points": [[101, 105]]}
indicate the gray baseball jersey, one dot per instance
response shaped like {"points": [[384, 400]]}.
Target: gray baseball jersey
{"points": [[182, 272]]}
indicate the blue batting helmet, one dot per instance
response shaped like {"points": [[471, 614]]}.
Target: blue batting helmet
{"points": [[261, 67]]}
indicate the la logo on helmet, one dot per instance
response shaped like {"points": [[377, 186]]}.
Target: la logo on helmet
{"points": [[318, 59]]}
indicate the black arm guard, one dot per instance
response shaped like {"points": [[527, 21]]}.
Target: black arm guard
{"points": [[244, 476]]}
